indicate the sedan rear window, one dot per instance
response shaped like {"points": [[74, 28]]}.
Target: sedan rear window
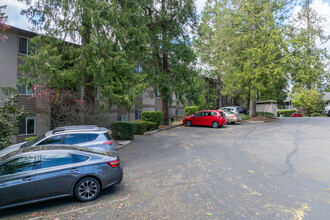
{"points": [[56, 159], [79, 158]]}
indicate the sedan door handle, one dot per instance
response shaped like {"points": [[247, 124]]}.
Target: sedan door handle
{"points": [[74, 170], [28, 178]]}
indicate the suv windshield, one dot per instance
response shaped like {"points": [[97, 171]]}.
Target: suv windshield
{"points": [[30, 143]]}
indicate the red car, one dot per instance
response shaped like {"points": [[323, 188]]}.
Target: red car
{"points": [[297, 114], [212, 118]]}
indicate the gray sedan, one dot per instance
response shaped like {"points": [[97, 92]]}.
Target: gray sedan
{"points": [[46, 172]]}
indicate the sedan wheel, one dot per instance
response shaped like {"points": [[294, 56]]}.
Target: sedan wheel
{"points": [[87, 189], [188, 123], [215, 124]]}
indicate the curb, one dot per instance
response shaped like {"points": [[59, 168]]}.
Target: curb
{"points": [[256, 122], [169, 127], [162, 129], [122, 144]]}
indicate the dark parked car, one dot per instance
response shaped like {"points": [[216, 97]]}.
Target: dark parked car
{"points": [[212, 118], [90, 136], [45, 172]]}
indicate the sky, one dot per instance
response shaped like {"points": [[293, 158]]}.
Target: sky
{"points": [[15, 19]]}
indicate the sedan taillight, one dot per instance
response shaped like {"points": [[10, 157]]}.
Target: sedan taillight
{"points": [[113, 163]]}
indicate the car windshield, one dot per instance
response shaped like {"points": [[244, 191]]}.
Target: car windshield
{"points": [[31, 143]]}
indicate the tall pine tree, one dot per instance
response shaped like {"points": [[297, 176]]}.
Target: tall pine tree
{"points": [[169, 63]]}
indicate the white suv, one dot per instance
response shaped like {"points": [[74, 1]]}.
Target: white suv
{"points": [[88, 136]]}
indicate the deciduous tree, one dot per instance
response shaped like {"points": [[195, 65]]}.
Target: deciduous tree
{"points": [[10, 116], [3, 26], [309, 100]]}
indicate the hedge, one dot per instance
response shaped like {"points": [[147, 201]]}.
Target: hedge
{"points": [[266, 114], [140, 127], [151, 125], [122, 130], [285, 113], [152, 116], [244, 117], [189, 110], [316, 114]]}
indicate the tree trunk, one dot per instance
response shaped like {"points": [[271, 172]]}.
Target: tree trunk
{"points": [[253, 107], [164, 111], [219, 94]]}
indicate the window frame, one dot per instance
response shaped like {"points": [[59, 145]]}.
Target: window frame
{"points": [[34, 128], [26, 89], [138, 113], [34, 167], [40, 158], [27, 45], [120, 117]]}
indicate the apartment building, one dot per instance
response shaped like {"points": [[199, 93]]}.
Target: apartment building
{"points": [[37, 122], [11, 52]]}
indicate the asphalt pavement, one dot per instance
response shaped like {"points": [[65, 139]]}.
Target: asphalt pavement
{"points": [[277, 170]]}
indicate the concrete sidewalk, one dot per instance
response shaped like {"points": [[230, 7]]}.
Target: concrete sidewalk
{"points": [[122, 143]]}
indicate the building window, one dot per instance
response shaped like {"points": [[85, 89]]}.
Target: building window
{"points": [[178, 112], [157, 92], [121, 118], [138, 114], [138, 67], [25, 46], [25, 90], [28, 126]]}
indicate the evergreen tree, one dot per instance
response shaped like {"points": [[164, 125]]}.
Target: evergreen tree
{"points": [[310, 63], [87, 44], [247, 46], [169, 63]]}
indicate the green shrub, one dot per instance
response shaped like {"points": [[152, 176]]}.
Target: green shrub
{"points": [[151, 126], [152, 116], [285, 113], [189, 110], [316, 114], [30, 138], [140, 127], [122, 130], [245, 117], [265, 114]]}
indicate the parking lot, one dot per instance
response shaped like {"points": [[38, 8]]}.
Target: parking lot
{"points": [[277, 170]]}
